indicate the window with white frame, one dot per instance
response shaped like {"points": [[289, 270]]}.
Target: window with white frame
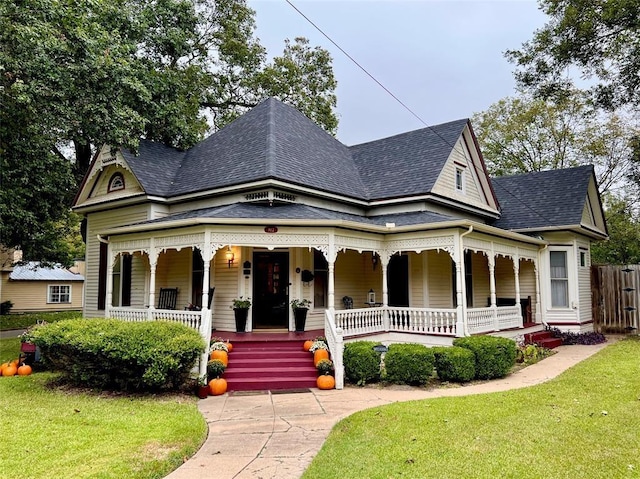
{"points": [[59, 293], [116, 182], [459, 179], [559, 279]]}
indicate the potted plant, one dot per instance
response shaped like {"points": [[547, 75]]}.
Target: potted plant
{"points": [[217, 385], [240, 308], [219, 350], [320, 350], [203, 387], [300, 308], [325, 378]]}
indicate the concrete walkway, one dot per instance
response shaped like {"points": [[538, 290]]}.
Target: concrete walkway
{"points": [[268, 435]]}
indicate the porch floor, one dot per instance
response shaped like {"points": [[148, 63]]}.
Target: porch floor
{"points": [[268, 335]]}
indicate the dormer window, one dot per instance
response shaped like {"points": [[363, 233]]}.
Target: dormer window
{"points": [[116, 182], [459, 179]]}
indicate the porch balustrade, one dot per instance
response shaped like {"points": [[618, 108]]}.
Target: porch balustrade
{"points": [[193, 319], [484, 320], [360, 321], [335, 342], [509, 317], [422, 320]]}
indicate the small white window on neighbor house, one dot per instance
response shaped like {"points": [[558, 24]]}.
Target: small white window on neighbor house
{"points": [[559, 279], [583, 259], [59, 293], [459, 179]]}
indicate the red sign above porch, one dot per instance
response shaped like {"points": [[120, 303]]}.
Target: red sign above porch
{"points": [[270, 229]]}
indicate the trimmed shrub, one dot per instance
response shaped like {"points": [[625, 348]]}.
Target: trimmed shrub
{"points": [[361, 362], [494, 356], [112, 354], [408, 364], [455, 364]]}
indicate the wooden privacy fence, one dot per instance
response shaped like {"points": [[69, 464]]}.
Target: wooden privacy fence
{"points": [[615, 298]]}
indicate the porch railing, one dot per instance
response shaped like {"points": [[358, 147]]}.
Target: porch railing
{"points": [[193, 319], [422, 320], [484, 320], [336, 346], [360, 321]]}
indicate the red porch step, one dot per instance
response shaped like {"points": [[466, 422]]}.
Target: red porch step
{"points": [[272, 364], [544, 339]]}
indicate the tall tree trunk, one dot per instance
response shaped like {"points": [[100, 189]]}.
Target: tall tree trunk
{"points": [[83, 159]]}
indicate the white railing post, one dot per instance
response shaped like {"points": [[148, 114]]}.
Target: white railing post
{"points": [[338, 359]]}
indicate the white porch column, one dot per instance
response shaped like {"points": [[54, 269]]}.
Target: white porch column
{"points": [[331, 256], [516, 274], [491, 260], [109, 300], [538, 308], [461, 296], [153, 263], [205, 325], [385, 257]]}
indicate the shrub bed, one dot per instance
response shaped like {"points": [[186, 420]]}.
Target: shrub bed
{"points": [[361, 362], [112, 354], [408, 364], [455, 364], [494, 356]]}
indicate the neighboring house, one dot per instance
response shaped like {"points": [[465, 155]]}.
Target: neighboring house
{"points": [[34, 288], [273, 208]]}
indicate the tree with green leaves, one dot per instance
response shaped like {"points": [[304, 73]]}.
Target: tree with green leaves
{"points": [[522, 134], [75, 75], [623, 246], [600, 39]]}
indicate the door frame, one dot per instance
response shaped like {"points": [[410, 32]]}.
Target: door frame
{"points": [[285, 321]]}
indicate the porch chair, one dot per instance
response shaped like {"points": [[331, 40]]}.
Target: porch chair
{"points": [[167, 298], [347, 301]]}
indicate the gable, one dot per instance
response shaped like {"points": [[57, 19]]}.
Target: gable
{"points": [[109, 178], [551, 200], [463, 178]]}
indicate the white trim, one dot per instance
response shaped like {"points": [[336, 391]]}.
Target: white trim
{"points": [[49, 296]]}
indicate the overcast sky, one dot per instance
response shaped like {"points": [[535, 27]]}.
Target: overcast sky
{"points": [[443, 59]]}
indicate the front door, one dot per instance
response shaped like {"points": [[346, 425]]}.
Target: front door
{"points": [[398, 280], [270, 290]]}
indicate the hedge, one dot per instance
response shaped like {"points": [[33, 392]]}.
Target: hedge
{"points": [[408, 364], [455, 364], [112, 354], [494, 356], [361, 362]]}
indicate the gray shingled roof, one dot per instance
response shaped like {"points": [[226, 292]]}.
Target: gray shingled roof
{"points": [[409, 162], [300, 212], [275, 141], [542, 199], [32, 271]]}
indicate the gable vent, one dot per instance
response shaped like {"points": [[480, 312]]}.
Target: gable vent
{"points": [[271, 197]]}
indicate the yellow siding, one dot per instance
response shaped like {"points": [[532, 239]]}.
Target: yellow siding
{"points": [[446, 183], [505, 278], [439, 279], [355, 276], [584, 282], [174, 271], [96, 223], [528, 284], [101, 185], [30, 296], [480, 280], [587, 217], [416, 281], [226, 282]]}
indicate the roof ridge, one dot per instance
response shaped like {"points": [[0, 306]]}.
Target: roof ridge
{"points": [[270, 164], [406, 133]]}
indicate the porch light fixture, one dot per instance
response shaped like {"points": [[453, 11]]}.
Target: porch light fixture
{"points": [[229, 256], [371, 298], [374, 260]]}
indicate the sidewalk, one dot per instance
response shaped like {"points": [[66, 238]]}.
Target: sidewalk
{"points": [[268, 435]]}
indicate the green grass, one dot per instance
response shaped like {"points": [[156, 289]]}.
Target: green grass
{"points": [[583, 424], [59, 432], [23, 321]]}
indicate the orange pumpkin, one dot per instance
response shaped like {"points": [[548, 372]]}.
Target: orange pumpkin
{"points": [[326, 381], [221, 355], [2, 366], [9, 370], [319, 354], [218, 386], [15, 362], [229, 346], [24, 370], [307, 345]]}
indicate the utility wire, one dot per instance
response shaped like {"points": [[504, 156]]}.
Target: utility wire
{"points": [[453, 147]]}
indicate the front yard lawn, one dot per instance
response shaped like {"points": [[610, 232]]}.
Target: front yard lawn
{"points": [[58, 432], [23, 321], [583, 424]]}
